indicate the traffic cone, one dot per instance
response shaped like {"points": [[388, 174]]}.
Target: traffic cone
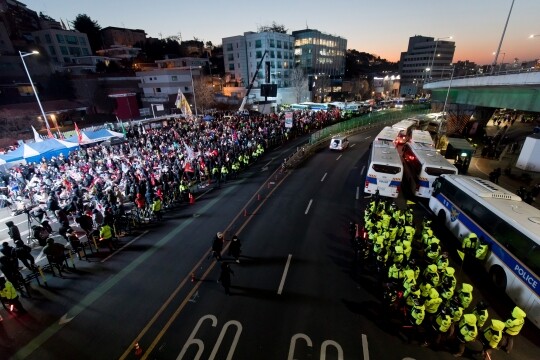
{"points": [[245, 212], [191, 199], [258, 196], [192, 277], [138, 350]]}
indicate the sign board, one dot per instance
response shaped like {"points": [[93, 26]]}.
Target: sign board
{"points": [[288, 119]]}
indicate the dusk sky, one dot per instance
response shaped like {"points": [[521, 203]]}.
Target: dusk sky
{"points": [[377, 27]]}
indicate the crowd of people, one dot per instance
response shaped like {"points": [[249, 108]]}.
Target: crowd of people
{"points": [[420, 288], [92, 187]]}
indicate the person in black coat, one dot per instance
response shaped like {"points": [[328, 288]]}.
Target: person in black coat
{"points": [[225, 277], [217, 246], [235, 248]]}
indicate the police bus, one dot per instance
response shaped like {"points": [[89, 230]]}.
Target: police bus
{"points": [[388, 134], [385, 170], [422, 166], [405, 127], [509, 226], [421, 137]]}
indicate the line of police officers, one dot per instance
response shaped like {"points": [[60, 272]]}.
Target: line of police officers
{"points": [[421, 288]]}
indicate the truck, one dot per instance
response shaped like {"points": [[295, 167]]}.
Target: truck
{"points": [[528, 158]]}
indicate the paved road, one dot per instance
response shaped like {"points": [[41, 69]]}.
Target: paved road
{"points": [[293, 294]]}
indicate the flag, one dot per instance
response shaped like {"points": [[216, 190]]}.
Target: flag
{"points": [[37, 138], [182, 104], [63, 25], [189, 150], [61, 135], [409, 202], [49, 133], [79, 133], [461, 255], [188, 167]]}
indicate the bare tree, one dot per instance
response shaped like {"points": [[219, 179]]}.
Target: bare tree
{"points": [[204, 92], [277, 28], [299, 82]]}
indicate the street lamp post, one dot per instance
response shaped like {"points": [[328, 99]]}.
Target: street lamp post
{"points": [[193, 88], [502, 38], [435, 53], [23, 55], [444, 106]]}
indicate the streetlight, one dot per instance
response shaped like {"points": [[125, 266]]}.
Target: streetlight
{"points": [[533, 36], [502, 62], [435, 51], [193, 88], [23, 55], [444, 106], [502, 37]]}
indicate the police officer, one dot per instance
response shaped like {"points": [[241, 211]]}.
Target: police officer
{"points": [[467, 332], [482, 249], [465, 295], [440, 327], [491, 337], [513, 327], [481, 313], [469, 244]]}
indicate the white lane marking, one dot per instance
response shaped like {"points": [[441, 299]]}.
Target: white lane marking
{"points": [[357, 192], [324, 176], [308, 206], [365, 347], [280, 289], [363, 168], [353, 145], [123, 247], [339, 157], [368, 137]]}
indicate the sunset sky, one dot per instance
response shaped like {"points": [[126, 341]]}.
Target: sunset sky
{"points": [[381, 28]]}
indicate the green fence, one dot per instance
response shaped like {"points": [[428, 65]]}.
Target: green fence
{"points": [[352, 125]]}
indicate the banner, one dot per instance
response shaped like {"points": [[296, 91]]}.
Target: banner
{"points": [[182, 104]]}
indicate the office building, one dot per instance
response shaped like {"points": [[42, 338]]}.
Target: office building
{"points": [[426, 58]]}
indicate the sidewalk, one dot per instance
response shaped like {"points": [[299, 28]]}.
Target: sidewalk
{"points": [[481, 167]]}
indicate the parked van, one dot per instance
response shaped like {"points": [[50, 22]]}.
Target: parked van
{"points": [[339, 143]]}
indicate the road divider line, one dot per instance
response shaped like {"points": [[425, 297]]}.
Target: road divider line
{"points": [[324, 177], [357, 192], [353, 145], [363, 168], [125, 246], [339, 157], [308, 206], [285, 271], [365, 348]]}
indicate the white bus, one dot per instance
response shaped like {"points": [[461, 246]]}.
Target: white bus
{"points": [[422, 165], [388, 134], [421, 137], [385, 170], [319, 106], [405, 127], [510, 226]]}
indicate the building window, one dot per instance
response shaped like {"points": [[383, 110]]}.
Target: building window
{"points": [[272, 54], [231, 66], [85, 52], [279, 64], [230, 57], [249, 43], [279, 54], [278, 42], [258, 44], [258, 54], [74, 51], [52, 51], [272, 44], [82, 41], [229, 47], [174, 78], [63, 50], [59, 38], [48, 38], [70, 39], [186, 89], [158, 90], [285, 45]]}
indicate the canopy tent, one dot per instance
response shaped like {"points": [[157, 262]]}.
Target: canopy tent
{"points": [[90, 137], [33, 152], [208, 118]]}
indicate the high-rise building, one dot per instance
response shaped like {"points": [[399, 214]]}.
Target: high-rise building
{"points": [[63, 46], [426, 59], [114, 36], [242, 54], [318, 53]]}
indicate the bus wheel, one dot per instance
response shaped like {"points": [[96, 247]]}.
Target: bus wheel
{"points": [[441, 217], [498, 277]]}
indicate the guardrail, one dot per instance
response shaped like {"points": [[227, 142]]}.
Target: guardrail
{"points": [[319, 139]]}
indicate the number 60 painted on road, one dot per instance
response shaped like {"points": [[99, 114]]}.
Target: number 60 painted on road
{"points": [[191, 340]]}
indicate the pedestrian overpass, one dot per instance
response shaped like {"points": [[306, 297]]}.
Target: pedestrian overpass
{"points": [[512, 90]]}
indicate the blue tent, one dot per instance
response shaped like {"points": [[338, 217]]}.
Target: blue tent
{"points": [[89, 137], [33, 152]]}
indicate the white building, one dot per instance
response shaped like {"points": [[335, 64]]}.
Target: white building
{"points": [[63, 46], [160, 85]]}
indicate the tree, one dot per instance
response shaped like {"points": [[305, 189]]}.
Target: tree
{"points": [[204, 93], [299, 82], [83, 23], [277, 28]]}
